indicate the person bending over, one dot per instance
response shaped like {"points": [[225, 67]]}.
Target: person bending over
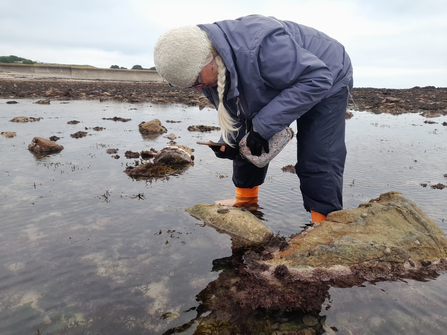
{"points": [[262, 74]]}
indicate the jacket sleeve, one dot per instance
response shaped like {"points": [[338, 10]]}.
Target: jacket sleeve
{"points": [[301, 79]]}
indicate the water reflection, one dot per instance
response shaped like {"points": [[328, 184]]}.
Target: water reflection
{"points": [[85, 248], [240, 301]]}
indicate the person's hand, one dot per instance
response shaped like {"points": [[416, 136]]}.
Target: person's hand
{"points": [[255, 142], [226, 151]]}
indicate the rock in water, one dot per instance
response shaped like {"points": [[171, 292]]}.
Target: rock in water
{"points": [[244, 228], [23, 119], [387, 236], [42, 145], [152, 128], [175, 154], [8, 134]]}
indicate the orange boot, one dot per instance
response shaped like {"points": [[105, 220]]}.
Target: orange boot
{"points": [[317, 217], [245, 197]]}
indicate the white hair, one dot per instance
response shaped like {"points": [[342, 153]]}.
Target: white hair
{"points": [[227, 123], [179, 56]]}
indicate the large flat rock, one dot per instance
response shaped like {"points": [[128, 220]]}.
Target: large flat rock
{"points": [[387, 235], [387, 239]]}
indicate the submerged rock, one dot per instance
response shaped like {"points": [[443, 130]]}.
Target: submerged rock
{"points": [[244, 228], [116, 118], [131, 154], [147, 154], [42, 145], [171, 137], [388, 236]]}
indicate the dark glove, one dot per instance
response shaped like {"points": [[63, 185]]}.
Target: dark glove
{"points": [[256, 143], [229, 153]]}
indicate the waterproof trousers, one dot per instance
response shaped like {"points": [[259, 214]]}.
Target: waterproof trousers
{"points": [[320, 159]]}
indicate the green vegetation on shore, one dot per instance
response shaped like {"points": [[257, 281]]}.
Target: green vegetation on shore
{"points": [[15, 59], [20, 60], [135, 67]]}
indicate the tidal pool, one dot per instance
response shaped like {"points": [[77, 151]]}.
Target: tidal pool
{"points": [[85, 249]]}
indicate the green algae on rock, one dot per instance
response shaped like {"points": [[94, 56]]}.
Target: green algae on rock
{"points": [[244, 228]]}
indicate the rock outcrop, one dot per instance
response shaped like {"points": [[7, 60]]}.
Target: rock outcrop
{"points": [[387, 236], [387, 239]]}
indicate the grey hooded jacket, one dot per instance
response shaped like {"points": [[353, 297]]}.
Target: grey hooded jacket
{"points": [[278, 70]]}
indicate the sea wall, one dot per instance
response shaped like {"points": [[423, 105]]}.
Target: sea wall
{"points": [[82, 73]]}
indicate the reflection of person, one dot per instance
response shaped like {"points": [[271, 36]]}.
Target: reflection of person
{"points": [[262, 74]]}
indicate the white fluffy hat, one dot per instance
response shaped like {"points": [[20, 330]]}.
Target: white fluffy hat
{"points": [[180, 54]]}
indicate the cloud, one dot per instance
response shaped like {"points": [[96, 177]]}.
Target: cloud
{"points": [[398, 38]]}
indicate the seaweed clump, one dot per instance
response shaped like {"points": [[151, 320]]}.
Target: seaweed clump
{"points": [[202, 128], [79, 134]]}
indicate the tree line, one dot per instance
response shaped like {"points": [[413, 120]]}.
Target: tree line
{"points": [[135, 67], [15, 59]]}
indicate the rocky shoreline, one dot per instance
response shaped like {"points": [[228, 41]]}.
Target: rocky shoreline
{"points": [[430, 101]]}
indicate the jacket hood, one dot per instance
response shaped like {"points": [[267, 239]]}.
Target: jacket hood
{"points": [[220, 43]]}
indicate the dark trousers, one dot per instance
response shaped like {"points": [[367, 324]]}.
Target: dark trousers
{"points": [[321, 156]]}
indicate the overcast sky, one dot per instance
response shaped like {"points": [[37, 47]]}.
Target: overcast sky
{"points": [[392, 43]]}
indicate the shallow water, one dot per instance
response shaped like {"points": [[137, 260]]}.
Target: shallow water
{"points": [[84, 249]]}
